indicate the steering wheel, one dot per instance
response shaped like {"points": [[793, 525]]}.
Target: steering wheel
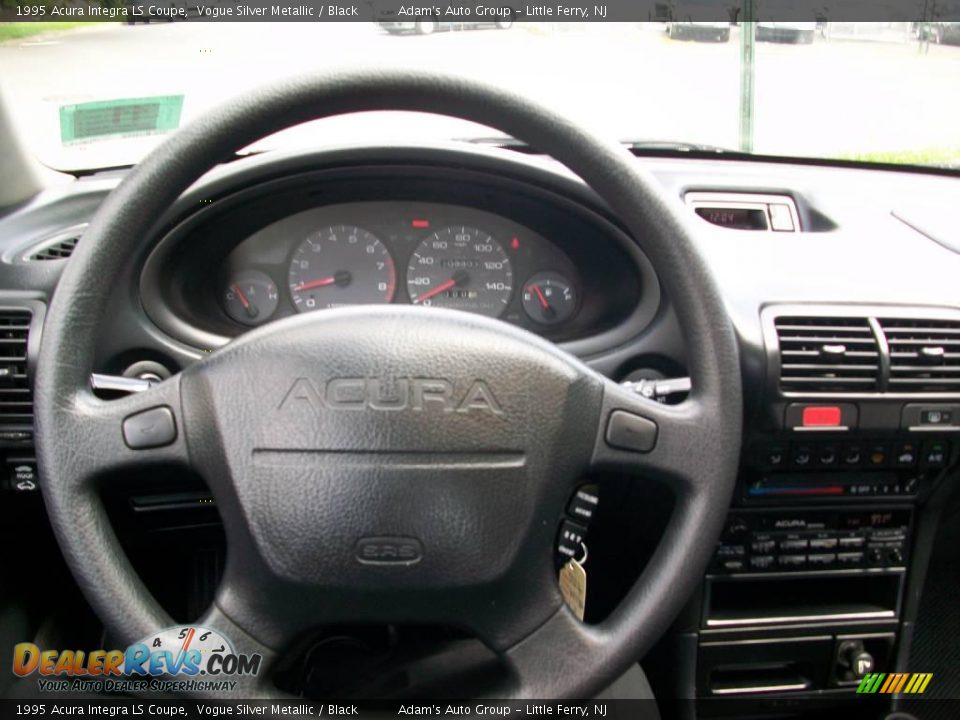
{"points": [[392, 464]]}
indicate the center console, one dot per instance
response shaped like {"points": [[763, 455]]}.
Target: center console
{"points": [[809, 584]]}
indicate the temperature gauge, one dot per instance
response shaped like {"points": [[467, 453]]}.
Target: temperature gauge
{"points": [[251, 297], [549, 298]]}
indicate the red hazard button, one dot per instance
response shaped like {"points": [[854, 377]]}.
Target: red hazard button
{"points": [[814, 416], [822, 416]]}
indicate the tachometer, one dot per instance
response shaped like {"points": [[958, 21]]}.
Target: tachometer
{"points": [[341, 265], [463, 268]]}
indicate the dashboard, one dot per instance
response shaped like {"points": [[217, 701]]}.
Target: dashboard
{"points": [[831, 528]]}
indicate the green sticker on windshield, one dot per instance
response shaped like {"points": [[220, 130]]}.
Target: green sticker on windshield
{"points": [[125, 117]]}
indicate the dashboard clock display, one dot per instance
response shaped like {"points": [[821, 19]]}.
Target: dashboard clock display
{"points": [[341, 265], [463, 268]]}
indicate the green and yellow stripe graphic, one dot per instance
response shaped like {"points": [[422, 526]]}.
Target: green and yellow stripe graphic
{"points": [[894, 683]]}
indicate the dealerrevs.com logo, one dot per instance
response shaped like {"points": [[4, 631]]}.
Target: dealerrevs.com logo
{"points": [[182, 658]]}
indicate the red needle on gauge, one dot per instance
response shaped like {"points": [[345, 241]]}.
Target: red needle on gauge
{"points": [[248, 306], [319, 282], [340, 277], [460, 278], [541, 297], [442, 287], [242, 296]]}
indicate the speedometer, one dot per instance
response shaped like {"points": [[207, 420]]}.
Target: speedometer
{"points": [[341, 265], [463, 268]]}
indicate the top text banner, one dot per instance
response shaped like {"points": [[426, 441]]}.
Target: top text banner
{"points": [[398, 15]]}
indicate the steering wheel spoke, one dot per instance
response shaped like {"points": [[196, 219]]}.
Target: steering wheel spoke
{"points": [[649, 440], [102, 437]]}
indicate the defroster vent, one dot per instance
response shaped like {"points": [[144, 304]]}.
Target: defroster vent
{"points": [[16, 397], [827, 354], [924, 354], [59, 246]]}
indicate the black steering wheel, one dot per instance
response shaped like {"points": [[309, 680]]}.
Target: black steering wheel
{"points": [[466, 478]]}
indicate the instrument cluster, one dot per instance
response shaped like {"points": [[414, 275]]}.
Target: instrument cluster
{"points": [[425, 254]]}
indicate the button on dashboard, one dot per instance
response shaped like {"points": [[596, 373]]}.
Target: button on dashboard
{"points": [[792, 561], [822, 560], [851, 542], [823, 543], [905, 454], [852, 455], [936, 453], [763, 546], [878, 454], [802, 455], [726, 551], [828, 455]]}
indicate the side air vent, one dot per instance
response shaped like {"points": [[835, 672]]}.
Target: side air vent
{"points": [[924, 354], [16, 398], [827, 354], [57, 247]]}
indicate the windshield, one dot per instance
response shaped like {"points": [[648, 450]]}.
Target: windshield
{"points": [[89, 95]]}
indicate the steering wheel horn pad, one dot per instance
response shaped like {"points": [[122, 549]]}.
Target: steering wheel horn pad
{"points": [[392, 464]]}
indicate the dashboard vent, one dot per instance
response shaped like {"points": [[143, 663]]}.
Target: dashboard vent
{"points": [[924, 354], [16, 397], [827, 354], [57, 247]]}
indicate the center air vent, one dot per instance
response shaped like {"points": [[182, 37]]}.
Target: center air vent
{"points": [[56, 247], [827, 354], [16, 399], [924, 354]]}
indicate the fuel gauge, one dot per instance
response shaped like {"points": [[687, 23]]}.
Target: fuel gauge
{"points": [[549, 298], [251, 297]]}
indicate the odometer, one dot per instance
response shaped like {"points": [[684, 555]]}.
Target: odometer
{"points": [[341, 265], [463, 268]]}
